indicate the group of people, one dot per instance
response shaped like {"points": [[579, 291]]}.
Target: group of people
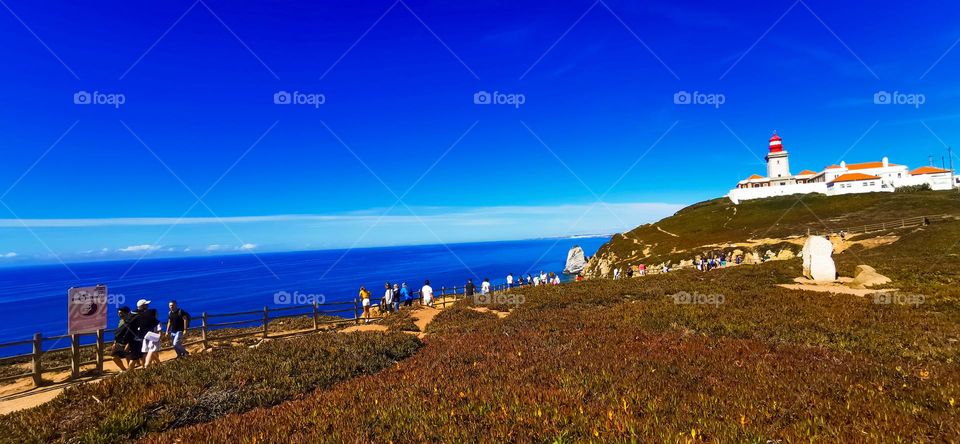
{"points": [[397, 295], [138, 335], [536, 280], [639, 270], [712, 262], [394, 295]]}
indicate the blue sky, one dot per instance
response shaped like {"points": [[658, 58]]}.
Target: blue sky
{"points": [[398, 152]]}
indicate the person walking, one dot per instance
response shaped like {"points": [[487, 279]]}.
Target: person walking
{"points": [[178, 322], [122, 338], [405, 295], [386, 305], [469, 290], [485, 287], [426, 294], [365, 301], [510, 280], [396, 298], [146, 328]]}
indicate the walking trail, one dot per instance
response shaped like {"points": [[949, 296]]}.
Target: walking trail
{"points": [[21, 394]]}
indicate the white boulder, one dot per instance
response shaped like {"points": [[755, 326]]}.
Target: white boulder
{"points": [[575, 261], [818, 259]]}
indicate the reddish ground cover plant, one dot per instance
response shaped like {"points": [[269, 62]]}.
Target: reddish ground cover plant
{"points": [[622, 361], [204, 387]]}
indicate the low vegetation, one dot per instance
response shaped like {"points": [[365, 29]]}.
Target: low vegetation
{"points": [[700, 228], [204, 387], [621, 360]]}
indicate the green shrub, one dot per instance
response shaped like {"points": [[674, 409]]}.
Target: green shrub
{"points": [[914, 188]]}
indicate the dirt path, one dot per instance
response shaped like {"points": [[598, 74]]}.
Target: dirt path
{"points": [[23, 395], [667, 232]]}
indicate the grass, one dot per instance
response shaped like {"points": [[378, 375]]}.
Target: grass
{"points": [[719, 221], [606, 360], [204, 387]]}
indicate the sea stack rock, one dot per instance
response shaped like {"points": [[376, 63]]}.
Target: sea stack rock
{"points": [[818, 260], [575, 261]]}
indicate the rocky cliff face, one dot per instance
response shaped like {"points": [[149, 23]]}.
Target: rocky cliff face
{"points": [[576, 260]]}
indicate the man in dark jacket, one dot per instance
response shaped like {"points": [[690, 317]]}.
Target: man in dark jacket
{"points": [[122, 340], [469, 290], [143, 323]]}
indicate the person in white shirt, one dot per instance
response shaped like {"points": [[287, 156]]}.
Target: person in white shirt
{"points": [[386, 306], [510, 280], [485, 287], [616, 273], [536, 281], [426, 292], [556, 280]]}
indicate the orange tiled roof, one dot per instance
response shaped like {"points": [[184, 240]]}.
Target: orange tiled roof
{"points": [[756, 176], [833, 167], [867, 165], [928, 170], [853, 177], [807, 173]]}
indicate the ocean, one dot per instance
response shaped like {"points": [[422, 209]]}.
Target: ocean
{"points": [[34, 299]]}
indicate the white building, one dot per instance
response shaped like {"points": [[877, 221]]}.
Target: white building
{"points": [[867, 177]]}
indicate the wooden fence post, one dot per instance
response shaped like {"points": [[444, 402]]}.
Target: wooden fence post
{"points": [[203, 329], [100, 351], [316, 321], [266, 318], [37, 362], [356, 312], [74, 355]]}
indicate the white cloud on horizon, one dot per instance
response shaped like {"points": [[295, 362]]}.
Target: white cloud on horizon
{"points": [[9, 255], [425, 213], [139, 248]]}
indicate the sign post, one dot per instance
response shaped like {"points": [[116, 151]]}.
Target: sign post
{"points": [[86, 309]]}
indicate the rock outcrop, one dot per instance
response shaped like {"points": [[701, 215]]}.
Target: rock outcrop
{"points": [[576, 261], [867, 276], [818, 259]]}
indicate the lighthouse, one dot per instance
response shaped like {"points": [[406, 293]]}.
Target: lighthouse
{"points": [[778, 161]]}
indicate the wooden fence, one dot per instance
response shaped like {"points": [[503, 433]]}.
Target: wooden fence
{"points": [[909, 222], [235, 325]]}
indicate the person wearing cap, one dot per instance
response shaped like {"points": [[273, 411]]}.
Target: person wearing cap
{"points": [[177, 324], [146, 329]]}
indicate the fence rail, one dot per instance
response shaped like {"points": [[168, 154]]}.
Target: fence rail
{"points": [[257, 325], [909, 222]]}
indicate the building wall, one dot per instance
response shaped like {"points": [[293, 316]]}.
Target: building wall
{"points": [[778, 165], [741, 194], [939, 181], [860, 186]]}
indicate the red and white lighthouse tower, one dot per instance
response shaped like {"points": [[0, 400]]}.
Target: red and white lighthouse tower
{"points": [[778, 160]]}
